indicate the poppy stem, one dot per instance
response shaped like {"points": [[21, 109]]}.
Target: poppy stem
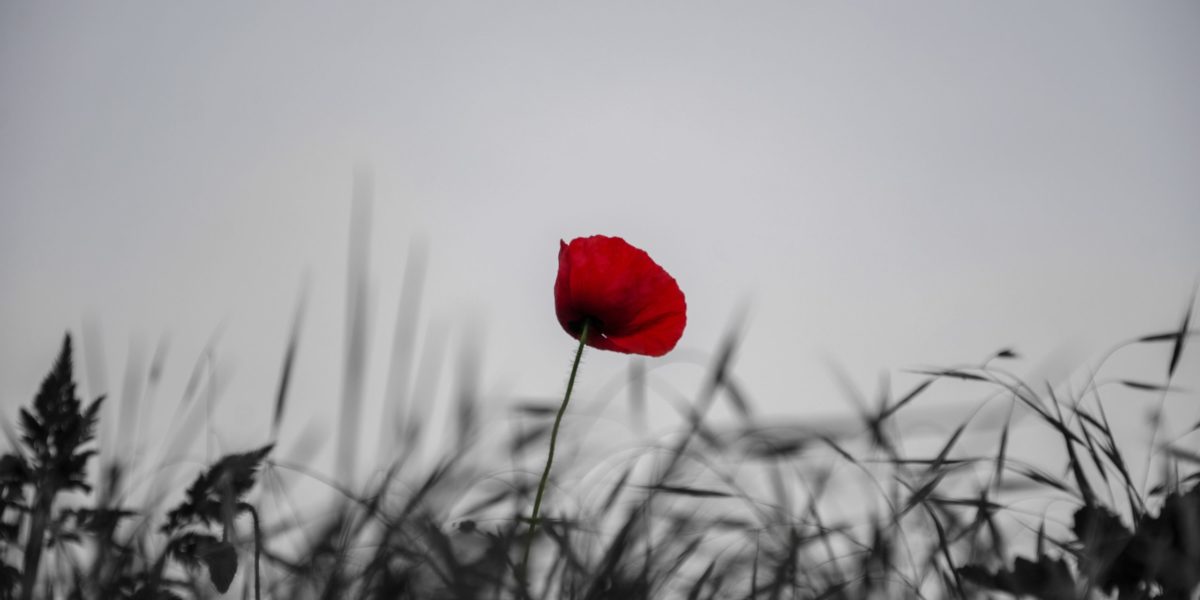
{"points": [[537, 500]]}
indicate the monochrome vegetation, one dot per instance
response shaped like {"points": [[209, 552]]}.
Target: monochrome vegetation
{"points": [[722, 508]]}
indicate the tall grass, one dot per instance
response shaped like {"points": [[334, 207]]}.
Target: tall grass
{"points": [[741, 506], [747, 508]]}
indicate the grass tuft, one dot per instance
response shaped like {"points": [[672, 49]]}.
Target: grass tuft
{"points": [[1022, 489]]}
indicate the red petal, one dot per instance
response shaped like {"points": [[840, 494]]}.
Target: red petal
{"points": [[634, 306]]}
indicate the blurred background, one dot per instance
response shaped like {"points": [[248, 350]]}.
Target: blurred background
{"points": [[874, 186]]}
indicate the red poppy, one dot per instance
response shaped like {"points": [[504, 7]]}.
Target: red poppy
{"points": [[631, 304]]}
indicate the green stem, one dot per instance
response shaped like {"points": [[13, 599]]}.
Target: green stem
{"points": [[537, 500]]}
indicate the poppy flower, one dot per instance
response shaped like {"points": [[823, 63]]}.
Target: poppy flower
{"points": [[630, 303]]}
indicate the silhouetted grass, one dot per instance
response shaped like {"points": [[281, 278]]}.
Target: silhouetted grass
{"points": [[853, 507], [836, 508]]}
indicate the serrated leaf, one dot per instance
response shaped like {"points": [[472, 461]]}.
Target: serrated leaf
{"points": [[1046, 578], [225, 484]]}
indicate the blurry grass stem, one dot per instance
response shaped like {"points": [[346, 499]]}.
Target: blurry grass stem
{"points": [[355, 357], [537, 500]]}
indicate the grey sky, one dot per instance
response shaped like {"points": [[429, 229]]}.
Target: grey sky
{"points": [[887, 184]]}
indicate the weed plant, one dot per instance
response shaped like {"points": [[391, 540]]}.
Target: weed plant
{"points": [[724, 508]]}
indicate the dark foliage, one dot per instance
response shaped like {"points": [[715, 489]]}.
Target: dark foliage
{"points": [[836, 509]]}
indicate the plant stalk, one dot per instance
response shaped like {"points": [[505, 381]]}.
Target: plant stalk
{"points": [[37, 534], [541, 490]]}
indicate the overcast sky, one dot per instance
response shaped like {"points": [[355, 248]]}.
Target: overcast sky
{"points": [[884, 185]]}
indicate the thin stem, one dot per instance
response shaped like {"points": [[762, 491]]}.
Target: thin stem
{"points": [[257, 555], [537, 500]]}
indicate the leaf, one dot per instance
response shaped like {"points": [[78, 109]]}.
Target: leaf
{"points": [[13, 470], [214, 492], [1184, 455], [737, 399], [615, 491], [1101, 531], [920, 494], [1104, 539], [1160, 337], [1160, 552], [55, 430], [238, 470], [909, 397], [1046, 579], [1043, 479], [953, 374], [289, 361], [538, 409], [689, 491], [1149, 387], [1177, 349], [102, 521]]}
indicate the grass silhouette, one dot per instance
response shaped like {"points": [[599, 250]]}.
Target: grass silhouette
{"points": [[752, 509], [739, 507]]}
